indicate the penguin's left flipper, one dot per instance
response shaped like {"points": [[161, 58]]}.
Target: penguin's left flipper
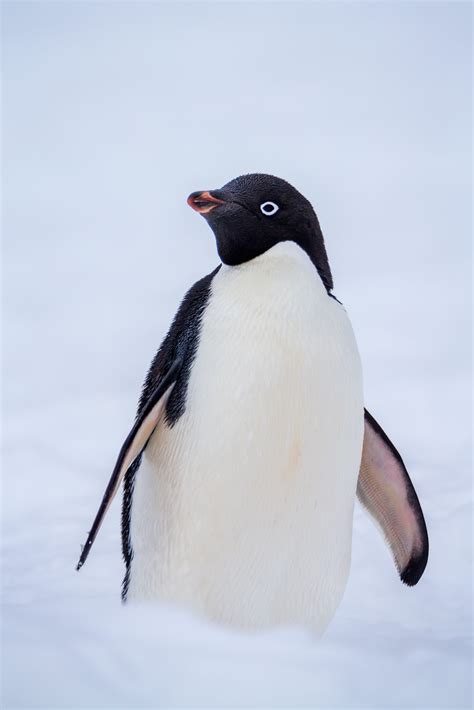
{"points": [[133, 446], [384, 488]]}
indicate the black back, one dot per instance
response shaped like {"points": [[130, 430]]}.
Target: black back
{"points": [[181, 342]]}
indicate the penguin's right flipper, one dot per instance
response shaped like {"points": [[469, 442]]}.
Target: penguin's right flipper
{"points": [[133, 446], [384, 488]]}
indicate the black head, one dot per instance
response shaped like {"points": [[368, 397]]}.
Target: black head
{"points": [[254, 212]]}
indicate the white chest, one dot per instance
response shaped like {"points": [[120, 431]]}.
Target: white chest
{"points": [[243, 509]]}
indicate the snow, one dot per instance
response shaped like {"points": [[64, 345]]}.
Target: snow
{"points": [[112, 115]]}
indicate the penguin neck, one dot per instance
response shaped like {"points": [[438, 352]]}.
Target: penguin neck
{"points": [[313, 244], [280, 262]]}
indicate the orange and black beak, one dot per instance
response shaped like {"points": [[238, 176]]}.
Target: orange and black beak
{"points": [[204, 202]]}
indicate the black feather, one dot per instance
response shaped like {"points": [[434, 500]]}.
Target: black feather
{"points": [[181, 343]]}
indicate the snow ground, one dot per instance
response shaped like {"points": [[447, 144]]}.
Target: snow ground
{"points": [[113, 113]]}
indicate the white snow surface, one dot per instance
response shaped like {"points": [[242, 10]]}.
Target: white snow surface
{"points": [[113, 113]]}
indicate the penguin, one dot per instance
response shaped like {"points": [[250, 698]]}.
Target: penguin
{"points": [[251, 441]]}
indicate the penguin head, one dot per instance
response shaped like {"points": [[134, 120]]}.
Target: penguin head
{"points": [[252, 213]]}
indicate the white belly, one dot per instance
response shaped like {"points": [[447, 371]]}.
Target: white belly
{"points": [[243, 510]]}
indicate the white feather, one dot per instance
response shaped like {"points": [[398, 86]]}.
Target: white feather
{"points": [[243, 510]]}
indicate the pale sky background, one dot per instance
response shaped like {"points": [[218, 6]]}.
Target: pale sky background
{"points": [[113, 112]]}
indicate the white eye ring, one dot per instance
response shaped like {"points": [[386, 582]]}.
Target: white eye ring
{"points": [[268, 208]]}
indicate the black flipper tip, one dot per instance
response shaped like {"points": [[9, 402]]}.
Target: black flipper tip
{"points": [[85, 549], [412, 573]]}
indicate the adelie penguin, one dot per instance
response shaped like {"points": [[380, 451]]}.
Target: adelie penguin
{"points": [[251, 440]]}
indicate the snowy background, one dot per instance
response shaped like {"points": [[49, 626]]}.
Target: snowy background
{"points": [[113, 113]]}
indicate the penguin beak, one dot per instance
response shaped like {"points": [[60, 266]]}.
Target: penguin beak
{"points": [[204, 202]]}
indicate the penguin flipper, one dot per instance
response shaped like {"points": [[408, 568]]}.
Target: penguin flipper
{"points": [[133, 446], [384, 488]]}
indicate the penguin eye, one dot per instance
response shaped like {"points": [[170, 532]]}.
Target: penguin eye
{"points": [[268, 208]]}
